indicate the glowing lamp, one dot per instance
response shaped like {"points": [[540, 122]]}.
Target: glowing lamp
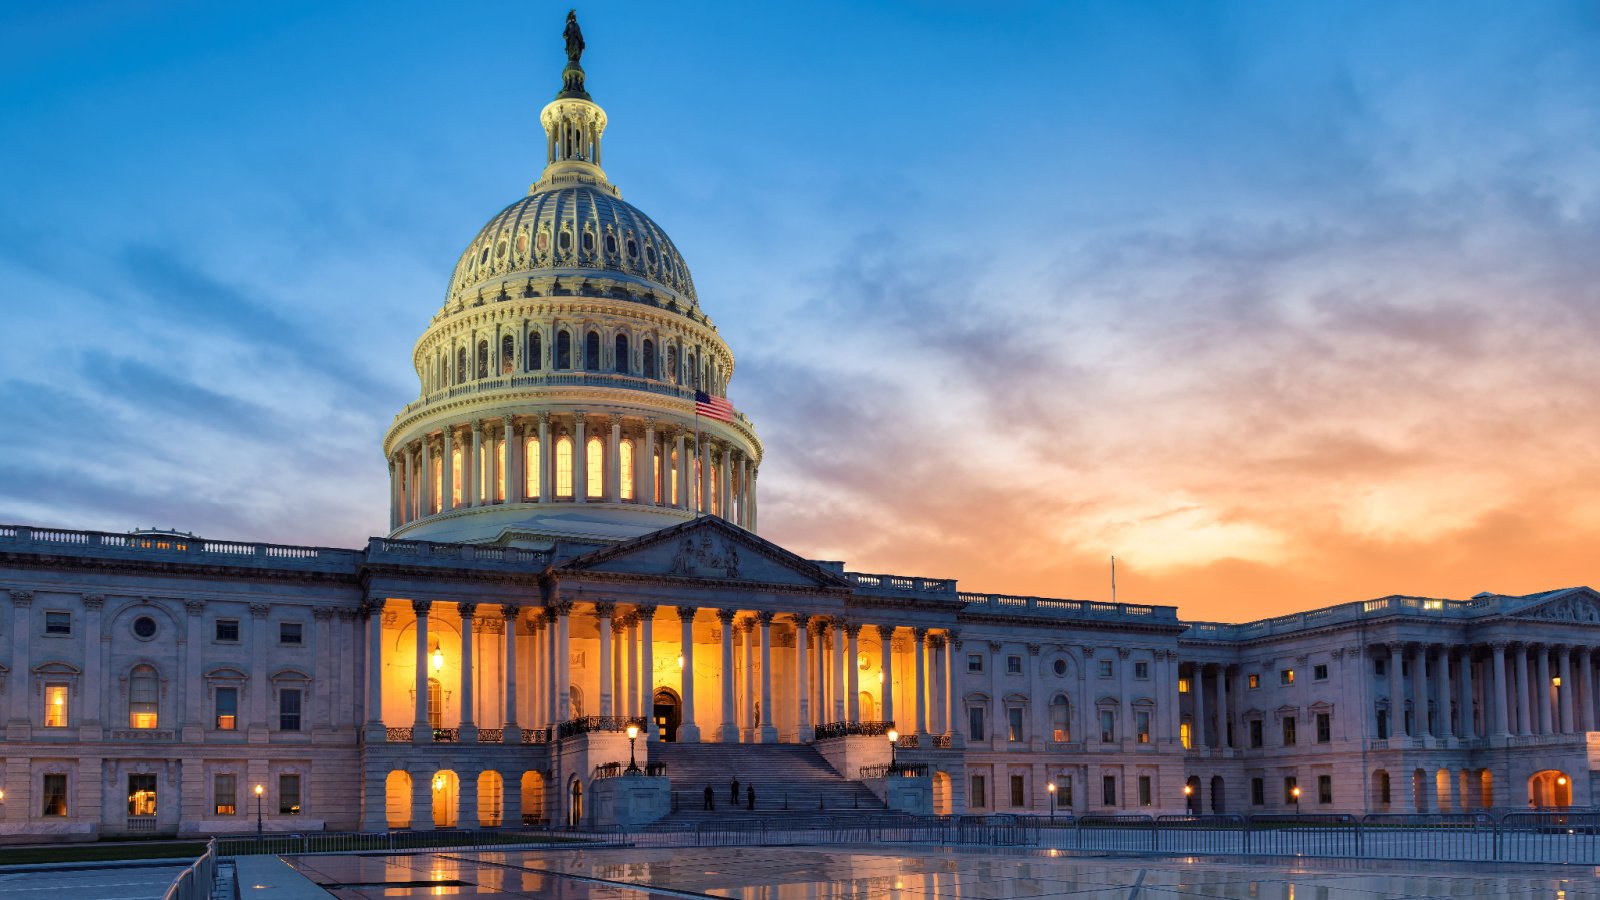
{"points": [[633, 732], [1556, 681], [880, 676], [680, 660], [1297, 793], [1051, 787], [260, 790], [1561, 780], [438, 660], [438, 782], [1188, 789], [893, 736]]}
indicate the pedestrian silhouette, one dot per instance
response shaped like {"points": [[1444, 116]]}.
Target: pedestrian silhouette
{"points": [[750, 796], [711, 802], [735, 794]]}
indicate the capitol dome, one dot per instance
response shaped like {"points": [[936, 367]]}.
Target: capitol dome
{"points": [[571, 387]]}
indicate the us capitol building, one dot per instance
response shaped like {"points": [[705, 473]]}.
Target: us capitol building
{"points": [[573, 549]]}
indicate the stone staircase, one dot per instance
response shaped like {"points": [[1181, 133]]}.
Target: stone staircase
{"points": [[792, 778]]}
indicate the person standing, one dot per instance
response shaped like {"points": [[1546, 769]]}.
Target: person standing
{"points": [[750, 796], [734, 797], [711, 800]]}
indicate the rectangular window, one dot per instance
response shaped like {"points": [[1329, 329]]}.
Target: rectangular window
{"points": [[1324, 789], [1254, 680], [1319, 672], [141, 794], [224, 791], [1183, 685], [1379, 667], [227, 708], [1255, 734], [1141, 671], [57, 622], [291, 633], [1108, 727], [288, 795], [1108, 790], [1018, 797], [1383, 724], [1324, 728], [289, 710], [1291, 791], [975, 723], [1105, 668], [55, 706], [1258, 792], [227, 631], [1286, 676], [1013, 665], [1383, 788], [1288, 732], [974, 662], [1141, 721], [1146, 795], [1064, 791], [978, 800], [1186, 734], [1014, 724], [55, 795]]}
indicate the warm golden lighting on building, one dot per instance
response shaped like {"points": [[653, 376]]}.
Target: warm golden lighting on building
{"points": [[594, 469], [531, 465], [564, 467], [55, 706], [625, 465]]}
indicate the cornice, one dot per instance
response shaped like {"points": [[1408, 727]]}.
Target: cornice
{"points": [[175, 567]]}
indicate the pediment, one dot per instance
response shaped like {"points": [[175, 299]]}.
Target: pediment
{"points": [[707, 549], [1578, 605]]}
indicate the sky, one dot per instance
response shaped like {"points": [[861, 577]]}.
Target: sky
{"points": [[1282, 304]]}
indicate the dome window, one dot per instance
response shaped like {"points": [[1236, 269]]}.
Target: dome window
{"points": [[564, 241], [588, 242], [650, 254], [144, 628], [500, 250], [522, 244], [611, 245], [633, 249], [543, 242], [484, 257]]}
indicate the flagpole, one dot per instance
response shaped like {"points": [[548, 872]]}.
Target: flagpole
{"points": [[1113, 579], [698, 456]]}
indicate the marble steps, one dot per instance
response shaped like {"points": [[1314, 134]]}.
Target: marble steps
{"points": [[790, 778]]}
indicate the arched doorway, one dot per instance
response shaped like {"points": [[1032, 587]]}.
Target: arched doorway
{"points": [[532, 798], [490, 810], [397, 799], [1420, 783], [1441, 785], [941, 794], [1191, 796], [1380, 789], [575, 806], [1550, 788], [1219, 802], [446, 796], [869, 707], [668, 713]]}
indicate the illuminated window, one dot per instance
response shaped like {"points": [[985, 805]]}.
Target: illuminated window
{"points": [[1014, 724], [143, 691], [656, 467], [225, 795], [1141, 724], [716, 495], [1183, 685], [594, 468], [141, 794], [625, 464], [673, 500], [1254, 680], [438, 488], [455, 476], [55, 794], [1186, 735], [435, 703], [288, 795], [1286, 676], [1060, 720], [500, 471], [508, 354], [564, 466], [531, 478], [227, 708], [620, 363], [535, 351], [695, 500], [55, 706]]}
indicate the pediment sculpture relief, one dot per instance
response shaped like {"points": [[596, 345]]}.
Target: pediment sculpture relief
{"points": [[1569, 609], [710, 557]]}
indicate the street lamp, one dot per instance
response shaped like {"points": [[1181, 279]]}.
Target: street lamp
{"points": [[894, 737], [1188, 799], [259, 791], [633, 734], [1296, 793], [1051, 787]]}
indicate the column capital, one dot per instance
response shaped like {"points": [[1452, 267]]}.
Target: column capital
{"points": [[544, 419], [508, 420], [687, 613], [886, 632], [22, 598], [765, 617], [320, 613], [725, 616], [510, 611], [1499, 646], [603, 609], [192, 607], [479, 426], [953, 636], [346, 614], [578, 418], [851, 629], [466, 610], [802, 621], [96, 601], [645, 611], [421, 607], [920, 635], [936, 641], [260, 610]]}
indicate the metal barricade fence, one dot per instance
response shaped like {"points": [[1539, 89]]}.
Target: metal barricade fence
{"points": [[194, 882], [1305, 835], [1214, 834], [1550, 837], [1440, 836], [1127, 834]]}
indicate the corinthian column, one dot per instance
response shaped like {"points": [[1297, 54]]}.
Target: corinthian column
{"points": [[768, 733], [919, 637], [886, 638], [468, 720], [421, 728], [580, 462], [1499, 720], [647, 671], [516, 466], [512, 733], [728, 731], [602, 619], [852, 673], [448, 462], [473, 468], [1564, 661], [802, 680], [1541, 691], [688, 731], [1524, 721]]}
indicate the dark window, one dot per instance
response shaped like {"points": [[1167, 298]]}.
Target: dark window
{"points": [[1258, 792], [622, 354], [1319, 672], [535, 351], [1383, 724], [1324, 728], [227, 708], [1105, 668], [461, 365], [1383, 788], [611, 245], [1108, 726], [1013, 665], [649, 358], [291, 633], [1018, 795], [228, 630], [974, 662], [1141, 723], [289, 710], [1288, 732], [55, 795], [1379, 667], [1108, 790], [591, 351], [672, 365], [288, 795], [1286, 676], [633, 248], [144, 627], [1255, 734], [508, 355], [975, 723], [57, 622], [1059, 667], [1146, 795], [1324, 789], [1014, 724], [1064, 790], [564, 241], [563, 350], [225, 795], [1141, 670], [483, 359], [588, 242], [978, 799]]}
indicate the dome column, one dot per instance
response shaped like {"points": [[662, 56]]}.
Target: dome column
{"points": [[647, 472], [725, 484], [580, 461], [744, 492], [754, 471], [394, 492], [408, 488], [703, 451], [682, 500], [546, 454], [515, 467], [447, 459], [473, 468], [613, 468]]}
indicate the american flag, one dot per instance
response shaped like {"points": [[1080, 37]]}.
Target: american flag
{"points": [[712, 407]]}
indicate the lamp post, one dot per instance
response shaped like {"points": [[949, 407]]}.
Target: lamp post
{"points": [[1051, 787], [894, 738], [1295, 792], [1188, 799], [633, 734], [259, 791]]}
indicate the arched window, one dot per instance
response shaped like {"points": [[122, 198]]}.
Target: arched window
{"points": [[620, 362], [1060, 720], [483, 359], [438, 486], [575, 696], [656, 468], [508, 355], [591, 351], [535, 351], [563, 350], [672, 364], [564, 466], [625, 468], [694, 372], [455, 476], [500, 471], [594, 468], [435, 703], [716, 495], [673, 480], [649, 358], [461, 365], [531, 477], [699, 478], [144, 691]]}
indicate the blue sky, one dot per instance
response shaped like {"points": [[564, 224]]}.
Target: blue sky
{"points": [[1285, 304]]}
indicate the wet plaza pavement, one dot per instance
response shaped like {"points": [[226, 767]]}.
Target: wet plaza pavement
{"points": [[924, 873]]}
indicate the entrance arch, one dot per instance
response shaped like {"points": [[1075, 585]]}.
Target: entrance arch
{"points": [[397, 799], [446, 797], [1552, 787], [668, 713], [532, 798], [941, 794], [575, 806], [490, 810], [1192, 799], [1219, 802]]}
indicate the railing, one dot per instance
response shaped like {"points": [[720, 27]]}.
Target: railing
{"points": [[1007, 604], [433, 550], [491, 735], [909, 742], [447, 735], [895, 770], [195, 881], [397, 735], [348, 841], [176, 546], [590, 724], [141, 824], [618, 770], [941, 742], [902, 584], [833, 730]]}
